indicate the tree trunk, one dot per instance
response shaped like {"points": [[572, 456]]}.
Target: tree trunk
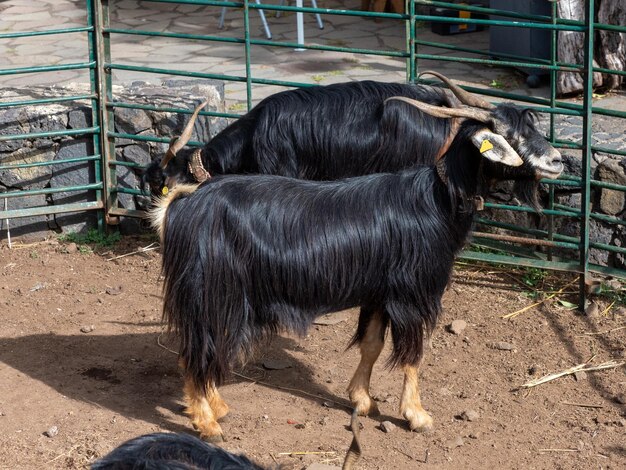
{"points": [[609, 50], [611, 47]]}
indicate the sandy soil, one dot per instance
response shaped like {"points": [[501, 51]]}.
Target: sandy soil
{"points": [[79, 350]]}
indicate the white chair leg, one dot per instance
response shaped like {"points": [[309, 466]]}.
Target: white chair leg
{"points": [[266, 27], [268, 33], [220, 23], [320, 23], [280, 13]]}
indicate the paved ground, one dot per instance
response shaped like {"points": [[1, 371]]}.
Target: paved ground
{"points": [[267, 62]]}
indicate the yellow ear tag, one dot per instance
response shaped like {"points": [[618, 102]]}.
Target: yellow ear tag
{"points": [[164, 191], [486, 145]]}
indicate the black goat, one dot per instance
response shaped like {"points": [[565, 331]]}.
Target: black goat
{"points": [[168, 451], [245, 257], [337, 131]]}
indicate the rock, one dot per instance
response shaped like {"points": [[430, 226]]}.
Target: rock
{"points": [[611, 201], [454, 443], [331, 319], [621, 398], [131, 121], [457, 326], [36, 177], [474, 435], [592, 310], [325, 420], [71, 248], [501, 346], [469, 415], [138, 153], [51, 431], [74, 174], [580, 375], [114, 290], [387, 426], [532, 370], [79, 118], [38, 286], [87, 328], [276, 364], [620, 312]]}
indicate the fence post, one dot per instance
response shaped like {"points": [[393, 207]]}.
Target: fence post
{"points": [[105, 96], [586, 152], [94, 83], [411, 45], [246, 25]]}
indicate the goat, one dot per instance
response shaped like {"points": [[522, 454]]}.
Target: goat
{"points": [[337, 131], [167, 451], [245, 257]]}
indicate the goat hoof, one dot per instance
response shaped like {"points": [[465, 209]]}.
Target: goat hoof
{"points": [[364, 404], [419, 421]]}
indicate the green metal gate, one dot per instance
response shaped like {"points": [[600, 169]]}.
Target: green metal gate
{"points": [[101, 36]]}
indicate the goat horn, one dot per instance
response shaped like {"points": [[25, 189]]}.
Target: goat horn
{"points": [[466, 97], [481, 115], [354, 452], [178, 143]]}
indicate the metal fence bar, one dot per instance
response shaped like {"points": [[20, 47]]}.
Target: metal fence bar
{"points": [[586, 156]]}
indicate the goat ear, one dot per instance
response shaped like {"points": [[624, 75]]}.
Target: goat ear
{"points": [[494, 147]]}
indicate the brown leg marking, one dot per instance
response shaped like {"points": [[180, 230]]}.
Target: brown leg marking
{"points": [[371, 346], [411, 405], [216, 402], [202, 416]]}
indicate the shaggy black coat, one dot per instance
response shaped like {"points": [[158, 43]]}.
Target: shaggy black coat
{"points": [[338, 131], [247, 256], [322, 133], [168, 451]]}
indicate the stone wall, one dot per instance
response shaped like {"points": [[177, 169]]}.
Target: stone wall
{"points": [[76, 115]]}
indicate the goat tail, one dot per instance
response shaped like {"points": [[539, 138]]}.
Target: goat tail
{"points": [[200, 284]]}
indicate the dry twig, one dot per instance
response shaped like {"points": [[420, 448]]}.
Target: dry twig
{"points": [[520, 311], [572, 370], [582, 405], [603, 332], [150, 247], [558, 450], [307, 453], [64, 454]]}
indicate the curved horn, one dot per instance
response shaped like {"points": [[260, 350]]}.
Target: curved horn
{"points": [[178, 143], [466, 97], [444, 112]]}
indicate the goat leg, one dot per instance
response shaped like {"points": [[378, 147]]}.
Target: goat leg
{"points": [[199, 410], [411, 405], [371, 345]]}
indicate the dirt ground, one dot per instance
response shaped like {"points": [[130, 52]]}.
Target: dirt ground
{"points": [[82, 349]]}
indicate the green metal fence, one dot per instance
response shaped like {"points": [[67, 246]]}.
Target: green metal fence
{"points": [[527, 247]]}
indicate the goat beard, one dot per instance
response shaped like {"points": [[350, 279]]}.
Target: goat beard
{"points": [[527, 191]]}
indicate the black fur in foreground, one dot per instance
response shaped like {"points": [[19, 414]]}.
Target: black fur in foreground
{"points": [[167, 451]]}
